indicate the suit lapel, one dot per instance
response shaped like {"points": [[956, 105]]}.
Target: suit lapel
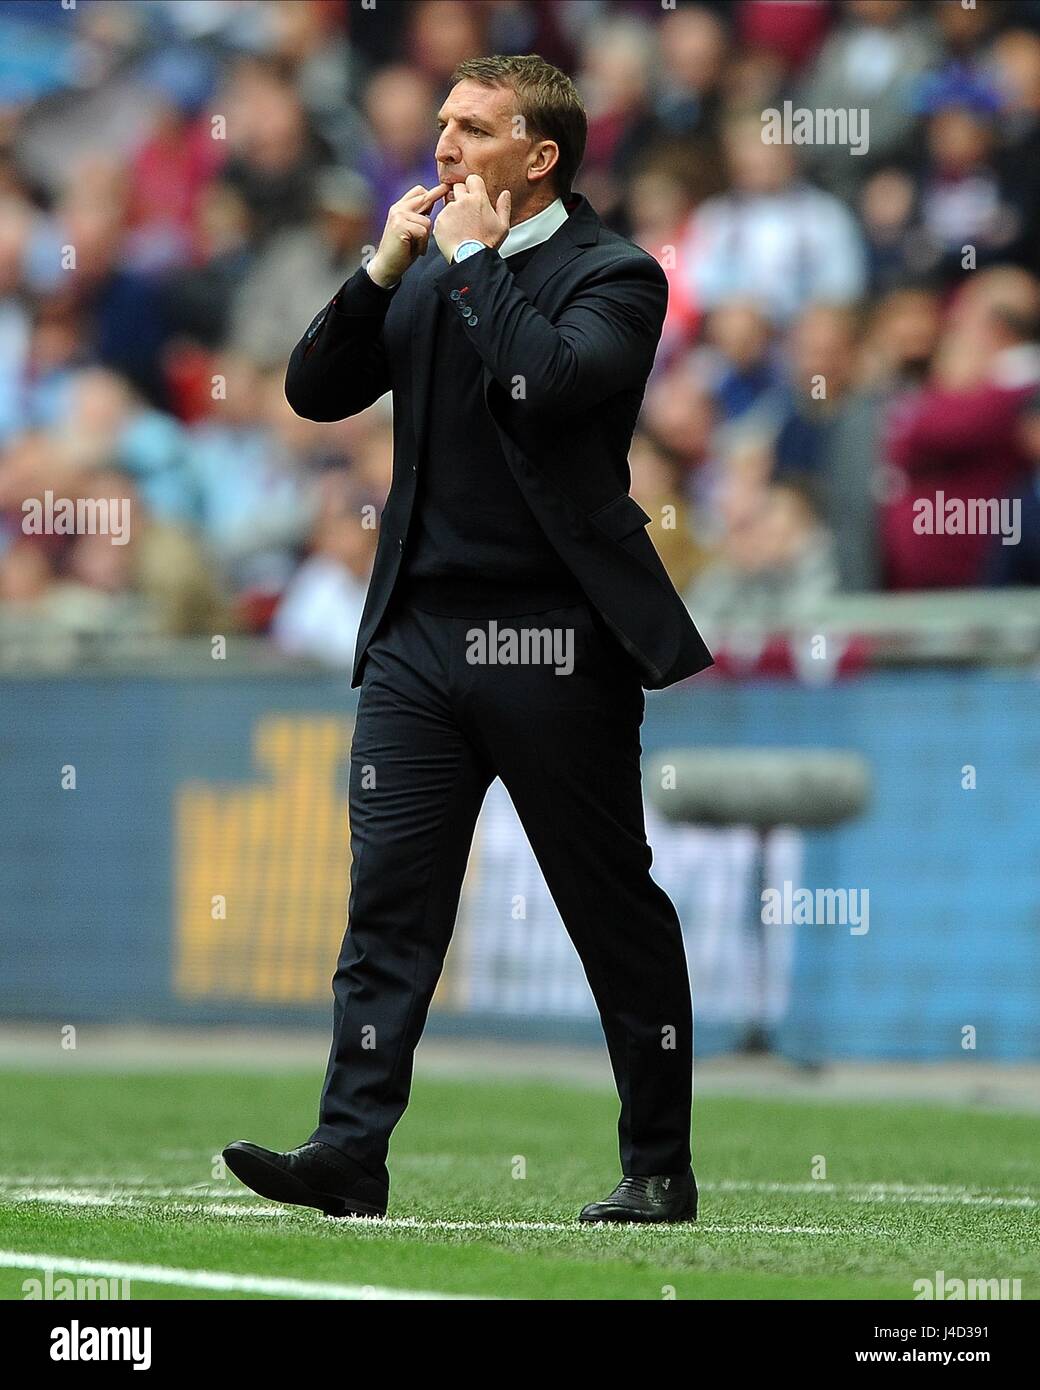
{"points": [[580, 230]]}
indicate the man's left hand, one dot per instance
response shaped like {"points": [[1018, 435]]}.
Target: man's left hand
{"points": [[470, 217]]}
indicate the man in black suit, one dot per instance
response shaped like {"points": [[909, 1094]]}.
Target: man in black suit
{"points": [[516, 611]]}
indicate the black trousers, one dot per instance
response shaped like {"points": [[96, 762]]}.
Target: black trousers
{"points": [[435, 726]]}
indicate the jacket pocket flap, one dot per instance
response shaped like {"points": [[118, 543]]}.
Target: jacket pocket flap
{"points": [[620, 517]]}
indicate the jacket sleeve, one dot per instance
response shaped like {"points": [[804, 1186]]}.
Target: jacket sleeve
{"points": [[339, 366], [602, 343]]}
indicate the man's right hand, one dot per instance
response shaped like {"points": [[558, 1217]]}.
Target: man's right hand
{"points": [[406, 234]]}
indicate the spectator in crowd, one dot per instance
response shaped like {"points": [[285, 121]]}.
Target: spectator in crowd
{"points": [[661, 198], [123, 306], [315, 259], [1014, 65], [776, 561], [693, 45], [616, 87], [1019, 563], [902, 337], [163, 563], [308, 40], [256, 504], [107, 424], [171, 169], [790, 31], [821, 352], [892, 360], [371, 452], [26, 575], [198, 298], [94, 596], [967, 216], [738, 362], [959, 435], [58, 353], [275, 151], [320, 611], [443, 33], [155, 573], [29, 465], [15, 322], [680, 414], [965, 31], [400, 108], [872, 60], [896, 249], [657, 485], [774, 238]]}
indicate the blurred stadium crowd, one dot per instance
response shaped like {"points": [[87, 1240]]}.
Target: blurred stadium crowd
{"points": [[184, 183]]}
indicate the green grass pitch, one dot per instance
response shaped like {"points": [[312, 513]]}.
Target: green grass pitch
{"points": [[118, 1170]]}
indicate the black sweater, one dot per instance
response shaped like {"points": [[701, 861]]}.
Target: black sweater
{"points": [[474, 548]]}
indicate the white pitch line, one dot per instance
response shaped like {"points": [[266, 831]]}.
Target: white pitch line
{"points": [[415, 1223], [63, 1197], [1022, 1193], [76, 1198], [896, 1193], [88, 1197], [92, 1193], [220, 1202], [214, 1280]]}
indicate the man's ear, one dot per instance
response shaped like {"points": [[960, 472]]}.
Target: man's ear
{"points": [[542, 171]]}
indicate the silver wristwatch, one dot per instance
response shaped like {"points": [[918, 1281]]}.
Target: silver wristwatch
{"points": [[468, 248]]}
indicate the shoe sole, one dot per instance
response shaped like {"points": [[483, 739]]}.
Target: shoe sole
{"points": [[268, 1180]]}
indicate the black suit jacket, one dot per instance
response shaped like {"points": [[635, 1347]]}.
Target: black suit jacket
{"points": [[567, 345]]}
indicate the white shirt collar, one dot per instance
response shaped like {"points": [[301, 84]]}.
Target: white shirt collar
{"points": [[535, 230]]}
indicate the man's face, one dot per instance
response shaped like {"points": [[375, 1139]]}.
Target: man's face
{"points": [[755, 166], [479, 135]]}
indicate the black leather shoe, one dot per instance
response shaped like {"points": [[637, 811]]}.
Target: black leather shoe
{"points": [[651, 1200], [314, 1175]]}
